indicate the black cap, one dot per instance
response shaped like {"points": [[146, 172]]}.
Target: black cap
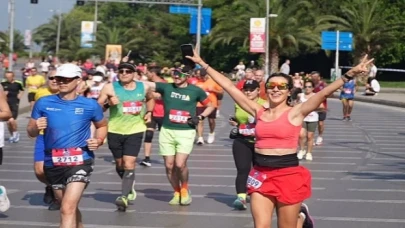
{"points": [[126, 66], [251, 84]]}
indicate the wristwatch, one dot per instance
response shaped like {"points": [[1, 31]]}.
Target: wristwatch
{"points": [[201, 117]]}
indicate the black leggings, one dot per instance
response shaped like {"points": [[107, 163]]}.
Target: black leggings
{"points": [[243, 156]]}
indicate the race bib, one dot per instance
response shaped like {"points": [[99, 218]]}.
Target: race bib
{"points": [[247, 129], [178, 116], [95, 93], [67, 157], [256, 179], [132, 107], [347, 91]]}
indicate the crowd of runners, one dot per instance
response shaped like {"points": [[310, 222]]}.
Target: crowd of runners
{"points": [[68, 121]]}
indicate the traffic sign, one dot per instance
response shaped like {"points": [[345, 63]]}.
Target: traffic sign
{"points": [[205, 24], [329, 39], [189, 10]]}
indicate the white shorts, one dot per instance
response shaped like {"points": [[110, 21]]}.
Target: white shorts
{"points": [[1, 134]]}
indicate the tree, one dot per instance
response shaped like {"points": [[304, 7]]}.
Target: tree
{"points": [[18, 46], [295, 27]]}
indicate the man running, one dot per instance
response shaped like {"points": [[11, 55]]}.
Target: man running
{"points": [[176, 138], [69, 150], [39, 153], [33, 83], [126, 126], [5, 114], [14, 90], [347, 97], [320, 85], [154, 74]]}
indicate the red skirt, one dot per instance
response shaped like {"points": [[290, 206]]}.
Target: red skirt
{"points": [[288, 185]]}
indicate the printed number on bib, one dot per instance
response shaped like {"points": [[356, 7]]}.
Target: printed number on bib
{"points": [[255, 179], [132, 107], [247, 129], [178, 116], [347, 91], [67, 157]]}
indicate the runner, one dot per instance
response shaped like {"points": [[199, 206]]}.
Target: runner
{"points": [[347, 97], [126, 125], [320, 85], [243, 145], [176, 138], [157, 116], [69, 150], [212, 89], [14, 90], [5, 114], [309, 124], [39, 149], [33, 83], [275, 158]]}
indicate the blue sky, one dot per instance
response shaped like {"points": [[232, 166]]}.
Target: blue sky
{"points": [[40, 12]]}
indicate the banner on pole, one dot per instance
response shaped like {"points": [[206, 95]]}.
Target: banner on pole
{"points": [[87, 34], [27, 38], [113, 52], [257, 35]]}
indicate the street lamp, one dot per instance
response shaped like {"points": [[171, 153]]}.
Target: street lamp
{"points": [[59, 28], [267, 60], [11, 9]]}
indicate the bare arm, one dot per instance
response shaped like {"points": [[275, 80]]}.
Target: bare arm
{"points": [[210, 108], [32, 128], [249, 106], [104, 94], [101, 130], [150, 101], [5, 112]]}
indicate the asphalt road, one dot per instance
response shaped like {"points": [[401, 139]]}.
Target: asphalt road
{"points": [[358, 180]]}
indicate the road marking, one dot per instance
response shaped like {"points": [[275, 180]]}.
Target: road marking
{"points": [[375, 190], [49, 224], [362, 201]]}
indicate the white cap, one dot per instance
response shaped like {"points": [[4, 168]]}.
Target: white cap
{"points": [[69, 70], [97, 78]]}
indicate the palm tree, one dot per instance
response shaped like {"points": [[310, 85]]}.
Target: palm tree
{"points": [[372, 26], [18, 46], [295, 27]]}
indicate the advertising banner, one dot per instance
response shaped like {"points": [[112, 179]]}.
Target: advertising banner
{"points": [[257, 35], [87, 34], [113, 52]]}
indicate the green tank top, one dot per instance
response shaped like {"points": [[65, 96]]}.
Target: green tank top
{"points": [[246, 122], [126, 118]]}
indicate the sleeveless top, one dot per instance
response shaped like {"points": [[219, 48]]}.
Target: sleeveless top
{"points": [[126, 118], [276, 134], [312, 116]]}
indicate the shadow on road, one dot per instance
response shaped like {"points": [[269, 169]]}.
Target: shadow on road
{"points": [[3, 216], [222, 198], [157, 194], [35, 199], [105, 197]]}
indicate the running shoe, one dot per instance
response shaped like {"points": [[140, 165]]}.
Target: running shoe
{"points": [[176, 199], [240, 204], [185, 198]]}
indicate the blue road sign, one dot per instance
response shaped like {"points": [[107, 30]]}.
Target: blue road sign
{"points": [[329, 41], [177, 9], [205, 24]]}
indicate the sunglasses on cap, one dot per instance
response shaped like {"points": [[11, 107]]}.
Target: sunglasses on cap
{"points": [[180, 74], [64, 80], [279, 85], [124, 71]]}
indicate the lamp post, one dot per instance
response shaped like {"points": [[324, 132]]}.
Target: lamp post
{"points": [[11, 33], [267, 58]]}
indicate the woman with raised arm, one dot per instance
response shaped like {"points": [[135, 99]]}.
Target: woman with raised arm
{"points": [[277, 181]]}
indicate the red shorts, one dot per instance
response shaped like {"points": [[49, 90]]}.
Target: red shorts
{"points": [[288, 185]]}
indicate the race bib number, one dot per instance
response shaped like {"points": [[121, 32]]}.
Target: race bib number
{"points": [[67, 157], [178, 116], [247, 129], [255, 179], [132, 107], [347, 91]]}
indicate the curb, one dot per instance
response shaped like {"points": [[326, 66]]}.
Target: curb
{"points": [[376, 101]]}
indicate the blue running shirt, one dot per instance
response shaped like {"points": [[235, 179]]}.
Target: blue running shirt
{"points": [[68, 123]]}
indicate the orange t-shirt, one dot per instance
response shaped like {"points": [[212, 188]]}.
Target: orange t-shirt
{"points": [[209, 86], [262, 92]]}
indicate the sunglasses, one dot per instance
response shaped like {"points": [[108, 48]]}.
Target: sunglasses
{"points": [[51, 78], [280, 86], [64, 80], [126, 71], [180, 74]]}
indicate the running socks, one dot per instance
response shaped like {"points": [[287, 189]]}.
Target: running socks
{"points": [[127, 182], [1, 155], [184, 188], [242, 195], [119, 171]]}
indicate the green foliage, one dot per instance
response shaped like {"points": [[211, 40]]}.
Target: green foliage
{"points": [[152, 34]]}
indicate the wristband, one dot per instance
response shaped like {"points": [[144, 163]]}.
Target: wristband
{"points": [[347, 77]]}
